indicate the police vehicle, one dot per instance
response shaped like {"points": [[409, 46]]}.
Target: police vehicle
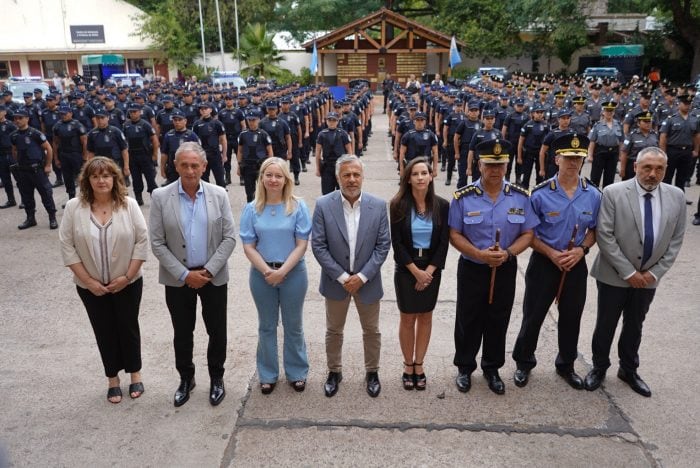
{"points": [[230, 77], [602, 72], [500, 72], [25, 84], [126, 78]]}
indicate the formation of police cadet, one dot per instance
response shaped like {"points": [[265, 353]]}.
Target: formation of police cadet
{"points": [[141, 127], [530, 111]]}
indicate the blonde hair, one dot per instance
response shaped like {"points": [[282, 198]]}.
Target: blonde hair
{"points": [[288, 198]]}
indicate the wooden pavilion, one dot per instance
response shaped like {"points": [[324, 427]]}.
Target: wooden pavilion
{"points": [[380, 43]]}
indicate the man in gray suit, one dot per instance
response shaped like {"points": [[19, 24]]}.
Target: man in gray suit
{"points": [[641, 224], [350, 240], [192, 235]]}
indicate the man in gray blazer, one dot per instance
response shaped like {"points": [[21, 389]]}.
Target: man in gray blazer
{"points": [[641, 224], [192, 235], [350, 240]]}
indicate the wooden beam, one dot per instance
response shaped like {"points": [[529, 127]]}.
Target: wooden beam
{"points": [[389, 51], [370, 40], [397, 39], [383, 32], [410, 39], [356, 40]]}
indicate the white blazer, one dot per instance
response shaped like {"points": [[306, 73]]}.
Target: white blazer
{"points": [[129, 238]]}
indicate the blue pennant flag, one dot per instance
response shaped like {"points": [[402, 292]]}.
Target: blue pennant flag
{"points": [[455, 58], [314, 60]]}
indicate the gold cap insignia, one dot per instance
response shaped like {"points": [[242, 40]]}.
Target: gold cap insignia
{"points": [[497, 148], [575, 143]]}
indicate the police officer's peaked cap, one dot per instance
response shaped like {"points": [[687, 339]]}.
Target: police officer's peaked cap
{"points": [[685, 98], [564, 113], [271, 105], [177, 114], [488, 113], [474, 105], [101, 112], [571, 144], [420, 115], [65, 109], [609, 105], [27, 94], [494, 151], [332, 116], [133, 107], [644, 115], [21, 113]]}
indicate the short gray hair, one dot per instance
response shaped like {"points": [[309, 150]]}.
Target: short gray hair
{"points": [[346, 159], [194, 147], [651, 150]]}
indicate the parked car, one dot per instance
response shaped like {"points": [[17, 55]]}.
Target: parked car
{"points": [[603, 72], [23, 84], [231, 77], [127, 79], [500, 72]]}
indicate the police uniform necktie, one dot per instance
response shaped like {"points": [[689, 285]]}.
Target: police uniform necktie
{"points": [[648, 229]]}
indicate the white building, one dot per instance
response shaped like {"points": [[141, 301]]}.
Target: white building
{"points": [[40, 37]]}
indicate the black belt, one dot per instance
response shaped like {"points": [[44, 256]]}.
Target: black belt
{"points": [[680, 147], [421, 252], [607, 149], [275, 265], [201, 267]]}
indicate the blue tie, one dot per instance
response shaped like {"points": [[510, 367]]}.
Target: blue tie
{"points": [[648, 229]]}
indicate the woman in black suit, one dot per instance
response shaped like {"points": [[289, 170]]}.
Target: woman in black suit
{"points": [[420, 237]]}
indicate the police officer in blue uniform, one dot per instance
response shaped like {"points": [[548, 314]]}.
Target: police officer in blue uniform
{"points": [[32, 155], [212, 134], [419, 142], [108, 141], [7, 128], [172, 140], [50, 117], [69, 147], [604, 150], [331, 143], [296, 133], [548, 166], [511, 132], [234, 122], [562, 203], [531, 137], [143, 152], [679, 137], [477, 213], [450, 124], [485, 133], [461, 141], [643, 136], [254, 146], [278, 130]]}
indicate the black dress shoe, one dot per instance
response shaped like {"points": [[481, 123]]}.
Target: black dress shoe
{"points": [[332, 383], [696, 221], [8, 204], [217, 392], [572, 378], [521, 377], [182, 394], [594, 378], [58, 183], [53, 224], [496, 385], [635, 382], [373, 385], [29, 222], [464, 381]]}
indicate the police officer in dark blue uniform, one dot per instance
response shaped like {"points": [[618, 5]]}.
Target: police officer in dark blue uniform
{"points": [[50, 117], [32, 154], [163, 117], [108, 141], [296, 133], [462, 139], [69, 147], [485, 133], [477, 213], [450, 124], [531, 137], [548, 166], [212, 134], [419, 142], [143, 151], [171, 142], [563, 203], [643, 136], [331, 143], [83, 113], [278, 130], [254, 146], [7, 128], [116, 116], [234, 122]]}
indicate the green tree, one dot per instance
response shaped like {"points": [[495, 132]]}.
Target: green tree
{"points": [[686, 19], [258, 51], [168, 34]]}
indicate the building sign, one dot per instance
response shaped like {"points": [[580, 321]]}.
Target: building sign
{"points": [[88, 34]]}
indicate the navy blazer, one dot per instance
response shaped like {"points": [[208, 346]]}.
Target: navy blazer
{"points": [[402, 237]]}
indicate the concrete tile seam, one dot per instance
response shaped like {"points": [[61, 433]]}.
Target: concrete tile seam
{"points": [[229, 452]]}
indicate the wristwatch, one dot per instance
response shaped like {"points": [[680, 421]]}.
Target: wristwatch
{"points": [[585, 248]]}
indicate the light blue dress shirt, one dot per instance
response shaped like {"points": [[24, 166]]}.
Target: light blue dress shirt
{"points": [[421, 230], [193, 216]]}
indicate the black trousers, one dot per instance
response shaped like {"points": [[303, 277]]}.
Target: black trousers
{"points": [[541, 285], [249, 173], [461, 168], [328, 180], [295, 162], [141, 166], [680, 163], [477, 320], [215, 165], [115, 322], [629, 169], [231, 151], [5, 176], [71, 163], [182, 304], [604, 165], [530, 158], [27, 181], [513, 160], [550, 166], [633, 304]]}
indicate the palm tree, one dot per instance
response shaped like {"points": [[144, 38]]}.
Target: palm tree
{"points": [[258, 51]]}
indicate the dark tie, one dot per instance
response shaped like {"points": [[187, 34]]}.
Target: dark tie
{"points": [[648, 229]]}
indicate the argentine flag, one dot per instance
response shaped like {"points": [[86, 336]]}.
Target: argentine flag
{"points": [[314, 60], [455, 58]]}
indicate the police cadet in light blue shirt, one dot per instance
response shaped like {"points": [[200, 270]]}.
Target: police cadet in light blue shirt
{"points": [[477, 213], [564, 203]]}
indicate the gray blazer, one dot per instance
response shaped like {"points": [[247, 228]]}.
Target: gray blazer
{"points": [[329, 243], [620, 233], [168, 238]]}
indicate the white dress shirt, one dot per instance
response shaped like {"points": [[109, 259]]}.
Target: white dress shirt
{"points": [[352, 222]]}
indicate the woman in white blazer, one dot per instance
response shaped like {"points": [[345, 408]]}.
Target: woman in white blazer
{"points": [[104, 242]]}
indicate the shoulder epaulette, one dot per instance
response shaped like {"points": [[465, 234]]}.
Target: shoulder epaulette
{"points": [[542, 185], [585, 183], [469, 189], [517, 188]]}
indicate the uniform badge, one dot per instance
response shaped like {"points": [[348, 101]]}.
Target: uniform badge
{"points": [[181, 141], [553, 213], [473, 213], [426, 136], [274, 124], [477, 127], [27, 140], [255, 138], [575, 143], [497, 148], [106, 138]]}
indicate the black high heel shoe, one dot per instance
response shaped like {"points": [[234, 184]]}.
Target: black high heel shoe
{"points": [[408, 380], [420, 380]]}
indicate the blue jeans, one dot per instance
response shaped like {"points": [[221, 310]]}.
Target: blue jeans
{"points": [[287, 298]]}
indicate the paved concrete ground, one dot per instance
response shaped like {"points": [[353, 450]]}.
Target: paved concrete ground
{"points": [[53, 410]]}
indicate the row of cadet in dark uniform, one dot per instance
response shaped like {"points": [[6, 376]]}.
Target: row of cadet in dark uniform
{"points": [[620, 119], [141, 126]]}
